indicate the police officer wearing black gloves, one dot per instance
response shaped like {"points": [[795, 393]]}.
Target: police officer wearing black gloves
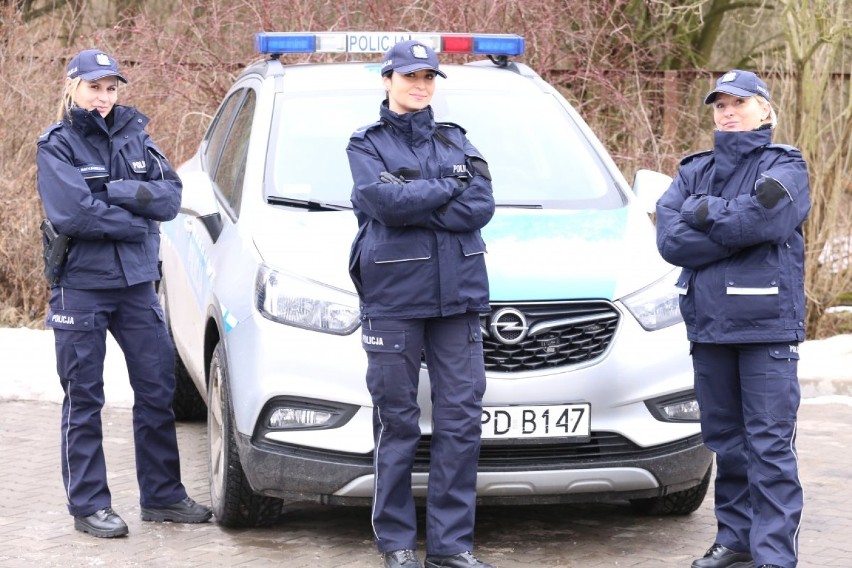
{"points": [[105, 185], [733, 220], [421, 194]]}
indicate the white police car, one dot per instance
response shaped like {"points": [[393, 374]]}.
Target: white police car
{"points": [[589, 394]]}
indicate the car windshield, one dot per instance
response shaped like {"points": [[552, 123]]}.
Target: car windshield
{"points": [[537, 155]]}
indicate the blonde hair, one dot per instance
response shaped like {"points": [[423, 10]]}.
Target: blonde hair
{"points": [[67, 102], [772, 118]]}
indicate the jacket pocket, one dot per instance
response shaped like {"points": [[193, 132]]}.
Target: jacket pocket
{"points": [[398, 273], [401, 252], [683, 281], [96, 176], [355, 258], [472, 243], [687, 299], [471, 272], [753, 296]]}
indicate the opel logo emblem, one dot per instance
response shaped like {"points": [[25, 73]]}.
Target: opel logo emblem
{"points": [[509, 326]]}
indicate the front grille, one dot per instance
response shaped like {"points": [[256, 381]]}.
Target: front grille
{"points": [[603, 446], [500, 455], [527, 337]]}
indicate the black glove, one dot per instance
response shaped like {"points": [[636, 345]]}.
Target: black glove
{"points": [[701, 214], [144, 195], [696, 215], [769, 192], [463, 184], [386, 177]]}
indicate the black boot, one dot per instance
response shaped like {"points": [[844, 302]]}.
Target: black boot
{"points": [[104, 524], [720, 557], [185, 511], [405, 558], [463, 560]]}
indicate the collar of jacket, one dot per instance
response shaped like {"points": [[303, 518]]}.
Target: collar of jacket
{"points": [[731, 148], [88, 121], [415, 127]]}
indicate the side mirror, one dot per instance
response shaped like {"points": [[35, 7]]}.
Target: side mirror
{"points": [[198, 200], [649, 186]]}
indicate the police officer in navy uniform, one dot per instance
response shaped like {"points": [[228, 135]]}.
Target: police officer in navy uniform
{"points": [[732, 219], [104, 184], [421, 194]]}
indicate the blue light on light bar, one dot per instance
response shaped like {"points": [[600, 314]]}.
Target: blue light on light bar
{"points": [[498, 45], [379, 42], [271, 42]]}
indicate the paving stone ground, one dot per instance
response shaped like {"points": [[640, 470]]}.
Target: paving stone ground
{"points": [[36, 531]]}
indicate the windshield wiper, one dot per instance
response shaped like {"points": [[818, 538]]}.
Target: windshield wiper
{"points": [[309, 204]]}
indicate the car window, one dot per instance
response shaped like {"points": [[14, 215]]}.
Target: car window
{"points": [[231, 171], [308, 159], [536, 153], [219, 130]]}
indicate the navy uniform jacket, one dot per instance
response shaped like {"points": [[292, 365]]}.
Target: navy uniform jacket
{"points": [[739, 243], [106, 188], [418, 252]]}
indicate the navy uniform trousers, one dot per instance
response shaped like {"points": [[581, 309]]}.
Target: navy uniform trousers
{"points": [[80, 320], [453, 347], [749, 396]]}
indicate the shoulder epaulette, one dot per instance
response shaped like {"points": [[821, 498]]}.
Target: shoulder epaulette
{"points": [[451, 125], [362, 132], [784, 148], [46, 134], [690, 157]]}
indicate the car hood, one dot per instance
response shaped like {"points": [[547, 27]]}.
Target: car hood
{"points": [[571, 254], [533, 255]]}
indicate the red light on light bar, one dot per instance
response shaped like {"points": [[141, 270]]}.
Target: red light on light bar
{"points": [[457, 44]]}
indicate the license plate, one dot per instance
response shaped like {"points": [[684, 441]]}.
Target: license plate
{"points": [[520, 422]]}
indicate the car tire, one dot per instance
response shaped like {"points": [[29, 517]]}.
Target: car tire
{"points": [[187, 403], [233, 501], [678, 503]]}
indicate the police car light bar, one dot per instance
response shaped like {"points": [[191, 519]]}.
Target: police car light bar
{"points": [[279, 43]]}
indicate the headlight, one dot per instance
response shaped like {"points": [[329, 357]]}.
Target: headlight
{"points": [[656, 306], [300, 302]]}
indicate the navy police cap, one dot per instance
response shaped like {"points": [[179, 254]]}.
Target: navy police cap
{"points": [[409, 56], [739, 84], [93, 64]]}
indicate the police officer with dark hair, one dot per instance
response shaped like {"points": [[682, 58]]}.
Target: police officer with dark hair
{"points": [[421, 194], [733, 220], [104, 185]]}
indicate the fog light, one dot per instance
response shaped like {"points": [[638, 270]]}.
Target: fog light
{"points": [[293, 413], [678, 407], [298, 418], [687, 410]]}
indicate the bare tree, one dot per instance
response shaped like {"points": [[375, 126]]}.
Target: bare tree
{"points": [[819, 122], [636, 69]]}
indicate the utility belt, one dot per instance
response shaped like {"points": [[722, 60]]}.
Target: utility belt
{"points": [[55, 251]]}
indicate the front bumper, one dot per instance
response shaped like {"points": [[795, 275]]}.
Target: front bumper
{"points": [[609, 468]]}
